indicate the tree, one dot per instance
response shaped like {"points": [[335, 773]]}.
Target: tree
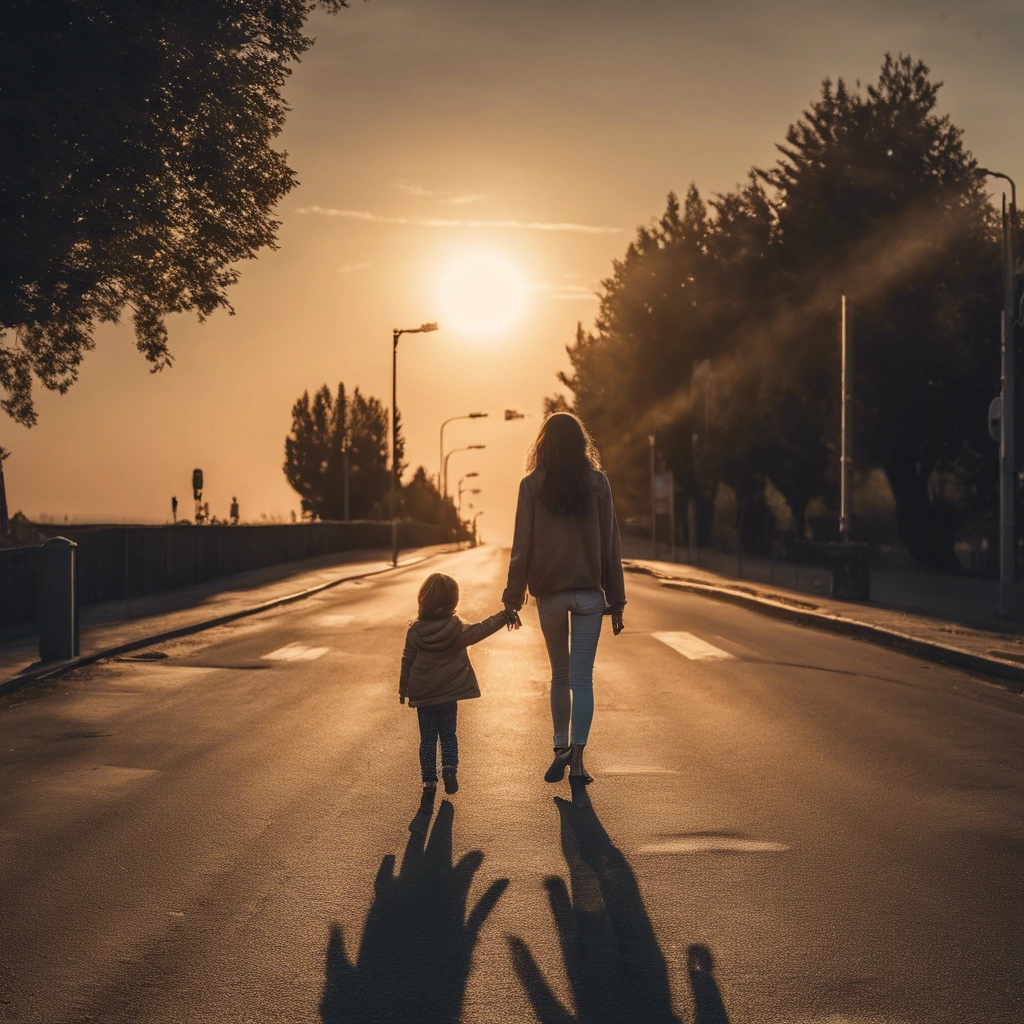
{"points": [[874, 197], [136, 168], [324, 432], [422, 501], [877, 198], [630, 376]]}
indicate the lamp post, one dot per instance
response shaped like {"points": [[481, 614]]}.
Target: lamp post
{"points": [[466, 476], [454, 451], [1007, 416], [475, 518], [466, 490], [395, 335], [443, 478]]}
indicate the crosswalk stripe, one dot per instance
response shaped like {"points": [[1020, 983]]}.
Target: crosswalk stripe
{"points": [[692, 647], [335, 619], [296, 652]]}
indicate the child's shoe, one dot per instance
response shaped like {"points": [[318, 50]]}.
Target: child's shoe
{"points": [[451, 782], [421, 820]]}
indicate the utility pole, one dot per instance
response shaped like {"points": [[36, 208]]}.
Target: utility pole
{"points": [[1008, 429], [1007, 418], [395, 335], [846, 457]]}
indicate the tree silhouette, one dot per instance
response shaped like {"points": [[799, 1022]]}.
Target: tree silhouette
{"points": [[417, 947], [137, 168], [326, 431], [874, 197]]}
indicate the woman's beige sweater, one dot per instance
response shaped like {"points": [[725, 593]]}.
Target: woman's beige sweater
{"points": [[555, 551]]}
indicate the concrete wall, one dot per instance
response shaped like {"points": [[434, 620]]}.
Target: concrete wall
{"points": [[119, 561]]}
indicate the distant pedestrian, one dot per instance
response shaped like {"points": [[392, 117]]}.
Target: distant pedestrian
{"points": [[437, 674], [233, 513], [566, 550]]}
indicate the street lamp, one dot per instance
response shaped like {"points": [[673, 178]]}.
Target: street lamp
{"points": [[1007, 411], [468, 448], [466, 476], [475, 518], [395, 335], [443, 480], [466, 490]]}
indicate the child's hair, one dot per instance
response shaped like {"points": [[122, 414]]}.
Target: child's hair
{"points": [[439, 596]]}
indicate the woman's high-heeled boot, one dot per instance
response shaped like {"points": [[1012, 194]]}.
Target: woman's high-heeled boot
{"points": [[563, 755], [578, 777]]}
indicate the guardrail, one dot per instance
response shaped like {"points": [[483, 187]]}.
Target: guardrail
{"points": [[118, 562]]}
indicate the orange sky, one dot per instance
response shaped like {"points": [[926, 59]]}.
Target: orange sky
{"points": [[540, 133]]}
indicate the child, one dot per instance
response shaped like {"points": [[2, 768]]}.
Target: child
{"points": [[437, 674]]}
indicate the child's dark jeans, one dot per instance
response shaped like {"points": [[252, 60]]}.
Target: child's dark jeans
{"points": [[437, 721]]}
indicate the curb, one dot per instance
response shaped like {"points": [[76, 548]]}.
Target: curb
{"points": [[1010, 674], [59, 668]]}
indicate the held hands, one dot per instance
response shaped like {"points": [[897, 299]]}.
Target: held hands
{"points": [[512, 620]]}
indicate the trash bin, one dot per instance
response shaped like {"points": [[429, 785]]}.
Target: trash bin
{"points": [[57, 597], [850, 565]]}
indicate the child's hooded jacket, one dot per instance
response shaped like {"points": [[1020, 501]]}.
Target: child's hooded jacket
{"points": [[436, 666]]}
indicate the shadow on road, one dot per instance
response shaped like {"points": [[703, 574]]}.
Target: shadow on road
{"points": [[417, 946], [615, 967]]}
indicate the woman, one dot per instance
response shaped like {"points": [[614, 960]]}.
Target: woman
{"points": [[566, 549]]}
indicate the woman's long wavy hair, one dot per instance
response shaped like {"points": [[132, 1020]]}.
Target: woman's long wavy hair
{"points": [[566, 453]]}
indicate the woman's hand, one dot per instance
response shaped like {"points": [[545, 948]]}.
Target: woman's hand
{"points": [[512, 617], [617, 624]]}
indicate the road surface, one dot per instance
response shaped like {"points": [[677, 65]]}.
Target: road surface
{"points": [[788, 827]]}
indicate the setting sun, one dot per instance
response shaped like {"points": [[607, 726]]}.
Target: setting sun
{"points": [[482, 294]]}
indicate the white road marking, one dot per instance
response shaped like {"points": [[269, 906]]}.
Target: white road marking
{"points": [[713, 844], [692, 647], [335, 619], [296, 652]]}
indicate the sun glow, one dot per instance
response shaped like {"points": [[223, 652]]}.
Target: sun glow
{"points": [[481, 294]]}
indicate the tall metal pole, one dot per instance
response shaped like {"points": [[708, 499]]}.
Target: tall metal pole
{"points": [[344, 459], [846, 462], [394, 446], [1007, 417], [442, 482], [672, 512], [1007, 453], [654, 514]]}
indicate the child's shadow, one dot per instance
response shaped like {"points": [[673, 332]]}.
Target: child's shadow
{"points": [[417, 946]]}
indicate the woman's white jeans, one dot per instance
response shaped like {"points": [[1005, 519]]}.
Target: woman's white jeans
{"points": [[571, 623]]}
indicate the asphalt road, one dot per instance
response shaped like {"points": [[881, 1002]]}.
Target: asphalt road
{"points": [[788, 826]]}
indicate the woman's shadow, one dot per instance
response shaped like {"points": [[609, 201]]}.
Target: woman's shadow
{"points": [[615, 966], [417, 946]]}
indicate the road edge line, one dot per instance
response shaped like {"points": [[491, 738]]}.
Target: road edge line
{"points": [[52, 671], [1009, 675]]}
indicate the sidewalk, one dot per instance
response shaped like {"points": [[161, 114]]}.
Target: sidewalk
{"points": [[964, 600], [119, 623], [936, 617]]}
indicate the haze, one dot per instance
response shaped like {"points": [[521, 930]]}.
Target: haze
{"points": [[537, 134]]}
